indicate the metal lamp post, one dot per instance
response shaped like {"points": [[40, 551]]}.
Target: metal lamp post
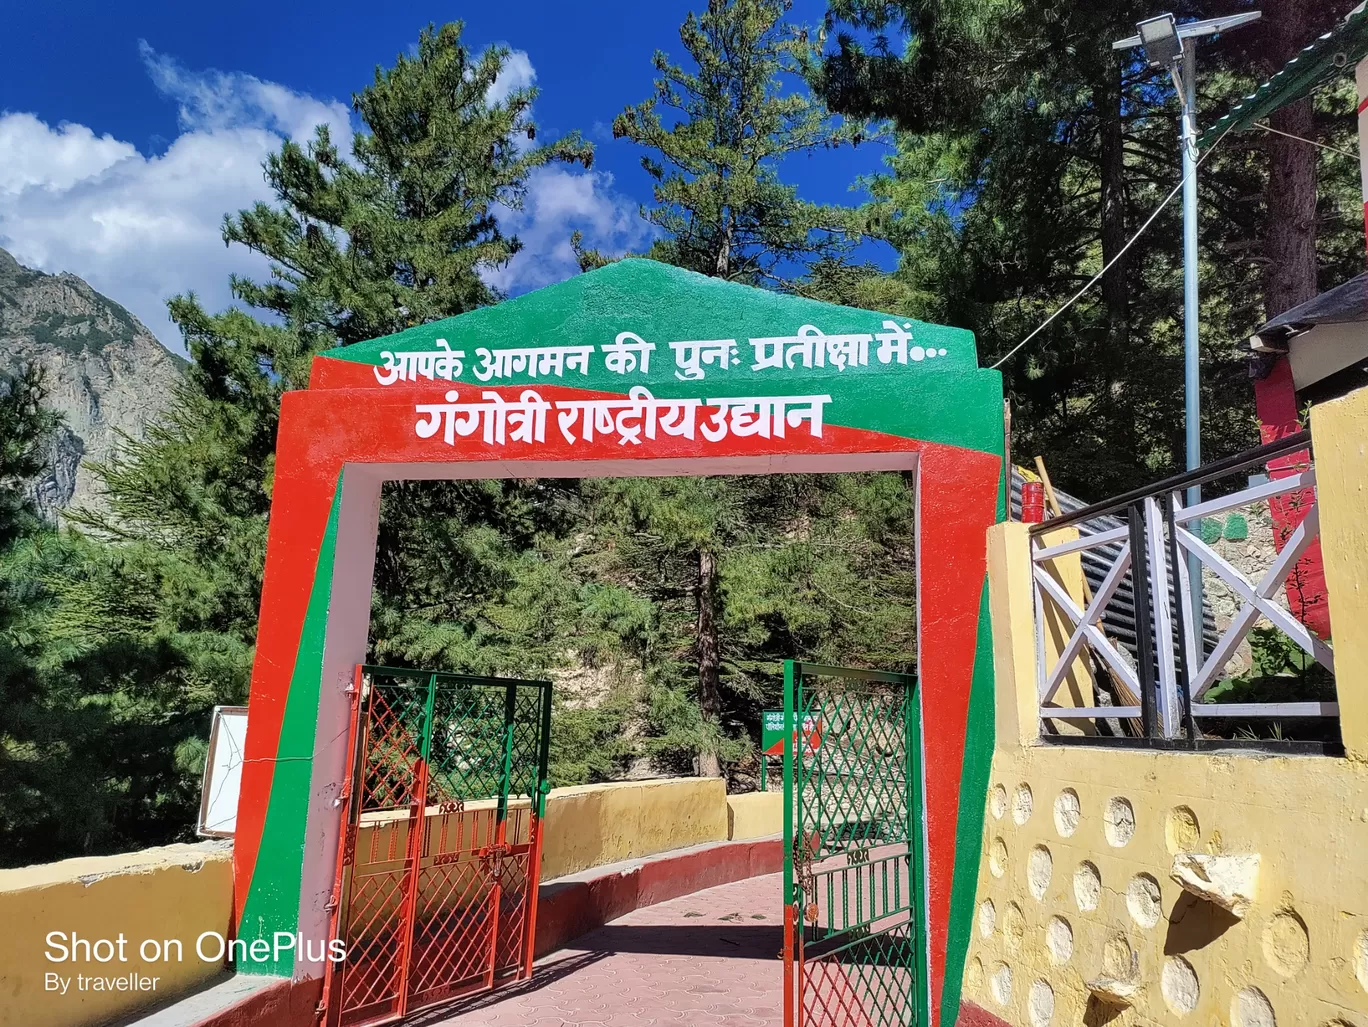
{"points": [[1173, 47]]}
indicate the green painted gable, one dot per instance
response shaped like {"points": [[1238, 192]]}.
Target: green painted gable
{"points": [[938, 393]]}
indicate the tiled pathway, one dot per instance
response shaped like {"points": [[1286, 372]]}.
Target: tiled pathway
{"points": [[710, 959]]}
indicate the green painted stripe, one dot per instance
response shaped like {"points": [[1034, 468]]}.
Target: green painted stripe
{"points": [[273, 900], [974, 775]]}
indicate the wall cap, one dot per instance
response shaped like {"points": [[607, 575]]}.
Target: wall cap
{"points": [[88, 869]]}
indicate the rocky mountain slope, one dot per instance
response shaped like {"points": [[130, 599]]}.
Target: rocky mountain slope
{"points": [[105, 372]]}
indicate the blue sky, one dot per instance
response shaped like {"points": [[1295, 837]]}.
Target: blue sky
{"points": [[127, 129]]}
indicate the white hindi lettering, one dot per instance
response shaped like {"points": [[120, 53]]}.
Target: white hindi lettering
{"points": [[893, 344], [766, 416], [526, 418], [620, 355], [813, 348], [409, 365], [638, 416], [629, 352], [692, 355], [533, 361]]}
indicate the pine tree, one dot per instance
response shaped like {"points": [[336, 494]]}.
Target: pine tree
{"points": [[35, 719], [152, 620], [729, 563], [741, 573], [397, 234], [718, 134], [25, 426], [1030, 153]]}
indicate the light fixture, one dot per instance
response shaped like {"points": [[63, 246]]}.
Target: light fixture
{"points": [[1160, 41], [1166, 46], [1162, 37]]}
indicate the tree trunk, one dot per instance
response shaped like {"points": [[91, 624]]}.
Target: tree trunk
{"points": [[709, 658], [1115, 293], [723, 268], [1290, 196]]}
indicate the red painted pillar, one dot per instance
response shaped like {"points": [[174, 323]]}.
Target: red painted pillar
{"points": [[1275, 399], [1361, 81]]}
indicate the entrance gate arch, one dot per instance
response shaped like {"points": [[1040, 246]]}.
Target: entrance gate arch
{"points": [[634, 369]]}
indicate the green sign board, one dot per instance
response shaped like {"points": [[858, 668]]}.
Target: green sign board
{"points": [[772, 732]]}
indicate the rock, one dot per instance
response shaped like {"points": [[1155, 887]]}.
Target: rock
{"points": [[1119, 980], [105, 373], [1226, 881], [1113, 991]]}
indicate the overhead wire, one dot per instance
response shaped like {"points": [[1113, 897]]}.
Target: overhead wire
{"points": [[1119, 253], [1303, 139]]}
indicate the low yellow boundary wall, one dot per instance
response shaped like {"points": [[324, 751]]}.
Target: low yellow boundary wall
{"points": [[589, 825], [175, 893], [180, 892]]}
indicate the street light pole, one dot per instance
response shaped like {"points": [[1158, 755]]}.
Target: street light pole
{"points": [[1173, 47], [1192, 387]]}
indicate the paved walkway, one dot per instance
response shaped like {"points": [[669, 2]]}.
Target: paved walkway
{"points": [[710, 959]]}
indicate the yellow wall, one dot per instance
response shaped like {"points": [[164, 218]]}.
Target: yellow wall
{"points": [[1075, 887], [1339, 430], [1303, 943], [182, 891], [1077, 688], [1014, 645], [590, 825], [178, 891], [755, 815]]}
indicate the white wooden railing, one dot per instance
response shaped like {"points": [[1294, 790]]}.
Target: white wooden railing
{"points": [[1160, 678]]}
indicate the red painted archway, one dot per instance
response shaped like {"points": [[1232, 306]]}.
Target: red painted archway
{"points": [[542, 388]]}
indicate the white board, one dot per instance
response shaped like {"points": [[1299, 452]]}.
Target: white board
{"points": [[223, 772]]}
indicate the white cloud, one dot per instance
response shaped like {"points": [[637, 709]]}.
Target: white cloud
{"points": [[558, 202], [143, 228], [38, 155], [517, 73], [212, 101]]}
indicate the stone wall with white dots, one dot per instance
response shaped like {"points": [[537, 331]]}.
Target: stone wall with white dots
{"points": [[1081, 918]]}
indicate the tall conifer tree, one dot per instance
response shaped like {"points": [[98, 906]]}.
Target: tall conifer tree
{"points": [[717, 134], [369, 235]]}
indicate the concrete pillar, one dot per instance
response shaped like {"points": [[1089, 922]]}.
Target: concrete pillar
{"points": [[1339, 431], [1014, 647], [1361, 81], [1015, 661]]}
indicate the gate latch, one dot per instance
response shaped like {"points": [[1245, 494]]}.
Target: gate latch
{"points": [[493, 858]]}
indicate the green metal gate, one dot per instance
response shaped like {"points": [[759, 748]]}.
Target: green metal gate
{"points": [[854, 881], [436, 888]]}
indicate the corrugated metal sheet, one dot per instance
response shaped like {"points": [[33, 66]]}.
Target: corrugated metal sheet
{"points": [[1334, 53], [1118, 619]]}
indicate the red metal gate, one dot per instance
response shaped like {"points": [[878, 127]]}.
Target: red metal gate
{"points": [[436, 889]]}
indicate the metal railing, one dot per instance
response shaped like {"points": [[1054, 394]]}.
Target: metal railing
{"points": [[1165, 685]]}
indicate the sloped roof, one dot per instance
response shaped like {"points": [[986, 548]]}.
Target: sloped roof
{"points": [[1334, 53], [1344, 304]]}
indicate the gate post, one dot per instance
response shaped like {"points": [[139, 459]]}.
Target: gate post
{"points": [[789, 1020]]}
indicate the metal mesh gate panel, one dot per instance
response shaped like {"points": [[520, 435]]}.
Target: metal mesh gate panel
{"points": [[854, 937], [436, 890]]}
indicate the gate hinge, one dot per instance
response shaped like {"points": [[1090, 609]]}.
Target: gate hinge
{"points": [[330, 906]]}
